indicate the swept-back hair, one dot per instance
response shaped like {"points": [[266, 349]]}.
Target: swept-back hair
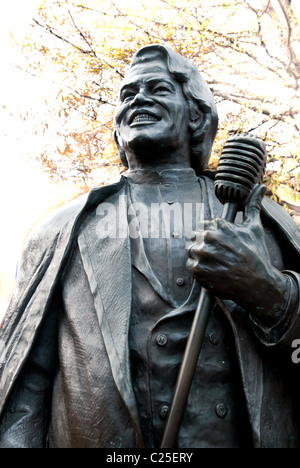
{"points": [[202, 107]]}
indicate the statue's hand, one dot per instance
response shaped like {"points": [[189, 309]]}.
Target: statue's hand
{"points": [[232, 261]]}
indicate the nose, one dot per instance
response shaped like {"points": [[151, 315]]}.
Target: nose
{"points": [[140, 99]]}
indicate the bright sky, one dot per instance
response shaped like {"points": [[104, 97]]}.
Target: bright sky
{"points": [[25, 192], [13, 95], [296, 7]]}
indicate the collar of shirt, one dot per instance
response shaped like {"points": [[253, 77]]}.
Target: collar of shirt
{"points": [[145, 176]]}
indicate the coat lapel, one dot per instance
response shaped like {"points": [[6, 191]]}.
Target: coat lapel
{"points": [[30, 302], [105, 249]]}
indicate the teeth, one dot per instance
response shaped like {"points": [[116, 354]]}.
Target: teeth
{"points": [[144, 117]]}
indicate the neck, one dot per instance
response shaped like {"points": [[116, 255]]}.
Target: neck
{"points": [[158, 164]]}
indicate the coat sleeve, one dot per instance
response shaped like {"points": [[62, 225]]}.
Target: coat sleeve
{"points": [[287, 329], [45, 254], [25, 419], [287, 233], [36, 256], [28, 341]]}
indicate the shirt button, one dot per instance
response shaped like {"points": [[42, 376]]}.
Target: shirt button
{"points": [[221, 410], [176, 235], [161, 339], [163, 411], [214, 339], [180, 281]]}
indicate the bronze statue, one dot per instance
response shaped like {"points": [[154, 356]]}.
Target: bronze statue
{"points": [[97, 325]]}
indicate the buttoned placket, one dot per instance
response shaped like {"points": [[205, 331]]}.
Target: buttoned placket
{"points": [[181, 282], [165, 342], [165, 348], [170, 266], [216, 407], [175, 240]]}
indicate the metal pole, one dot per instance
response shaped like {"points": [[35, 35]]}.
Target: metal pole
{"points": [[187, 370], [191, 355]]}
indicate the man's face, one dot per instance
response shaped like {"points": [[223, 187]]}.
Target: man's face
{"points": [[152, 112]]}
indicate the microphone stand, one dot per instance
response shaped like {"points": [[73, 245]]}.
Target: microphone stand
{"points": [[191, 354]]}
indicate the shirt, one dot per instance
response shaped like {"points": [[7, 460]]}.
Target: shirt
{"points": [[164, 300]]}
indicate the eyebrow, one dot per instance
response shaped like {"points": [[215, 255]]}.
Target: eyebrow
{"points": [[134, 84]]}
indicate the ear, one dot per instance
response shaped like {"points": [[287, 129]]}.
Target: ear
{"points": [[195, 114], [122, 154], [116, 139]]}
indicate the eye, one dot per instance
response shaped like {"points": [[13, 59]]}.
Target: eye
{"points": [[127, 95], [161, 89]]}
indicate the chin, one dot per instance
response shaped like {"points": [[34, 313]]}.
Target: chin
{"points": [[151, 141]]}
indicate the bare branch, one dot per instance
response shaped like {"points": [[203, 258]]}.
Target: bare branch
{"points": [[91, 52], [86, 96], [81, 34], [129, 20], [238, 100], [295, 208], [291, 52]]}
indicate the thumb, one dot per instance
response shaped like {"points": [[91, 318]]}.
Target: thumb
{"points": [[253, 206]]}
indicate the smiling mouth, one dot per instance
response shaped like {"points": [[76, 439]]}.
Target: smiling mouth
{"points": [[144, 118]]}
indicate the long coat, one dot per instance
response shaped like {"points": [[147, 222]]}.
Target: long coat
{"points": [[104, 413]]}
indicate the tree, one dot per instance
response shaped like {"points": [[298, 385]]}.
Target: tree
{"points": [[247, 50]]}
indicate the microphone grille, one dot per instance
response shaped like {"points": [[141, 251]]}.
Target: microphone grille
{"points": [[242, 165]]}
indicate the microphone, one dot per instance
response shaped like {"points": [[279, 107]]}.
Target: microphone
{"points": [[242, 165]]}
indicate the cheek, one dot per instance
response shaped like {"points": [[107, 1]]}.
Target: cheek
{"points": [[122, 129], [120, 114], [184, 115], [181, 121]]}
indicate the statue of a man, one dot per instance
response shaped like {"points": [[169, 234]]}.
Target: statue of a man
{"points": [[98, 322]]}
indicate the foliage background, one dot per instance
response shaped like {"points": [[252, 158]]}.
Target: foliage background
{"points": [[74, 54], [248, 51]]}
